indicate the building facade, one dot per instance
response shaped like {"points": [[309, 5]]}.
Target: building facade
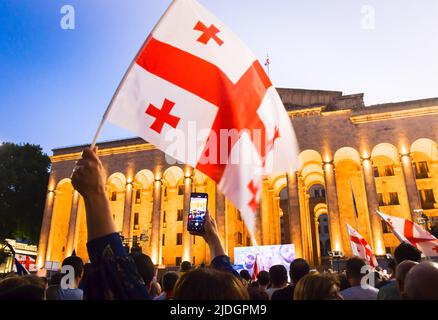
{"points": [[382, 157]]}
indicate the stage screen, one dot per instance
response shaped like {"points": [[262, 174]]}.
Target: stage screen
{"points": [[267, 256]]}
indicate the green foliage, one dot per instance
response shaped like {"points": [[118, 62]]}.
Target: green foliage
{"points": [[24, 174]]}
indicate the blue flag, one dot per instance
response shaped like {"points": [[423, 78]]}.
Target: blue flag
{"points": [[73, 254], [20, 269]]}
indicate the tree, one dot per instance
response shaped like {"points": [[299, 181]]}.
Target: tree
{"points": [[24, 174]]}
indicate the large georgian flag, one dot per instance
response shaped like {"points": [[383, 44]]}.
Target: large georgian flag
{"points": [[198, 93], [360, 247], [407, 231]]}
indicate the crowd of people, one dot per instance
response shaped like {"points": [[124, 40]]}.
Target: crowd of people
{"points": [[114, 274]]}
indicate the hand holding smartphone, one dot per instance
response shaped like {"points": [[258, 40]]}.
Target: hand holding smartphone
{"points": [[197, 211]]}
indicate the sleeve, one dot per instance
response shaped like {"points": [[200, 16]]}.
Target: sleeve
{"points": [[223, 263], [114, 274]]}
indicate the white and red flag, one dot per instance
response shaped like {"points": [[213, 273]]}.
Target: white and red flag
{"points": [[198, 93], [407, 231], [27, 262], [360, 247]]}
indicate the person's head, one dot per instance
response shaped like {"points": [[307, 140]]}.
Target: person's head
{"points": [[392, 266], [77, 264], [405, 251], [245, 275], [298, 269], [421, 282], [145, 267], [401, 272], [256, 293], [154, 289], [354, 273], [21, 288], [35, 280], [343, 281], [209, 284], [185, 266], [278, 276], [249, 261], [263, 278], [317, 286], [169, 280]]}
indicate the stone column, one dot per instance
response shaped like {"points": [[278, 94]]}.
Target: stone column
{"points": [[156, 223], [410, 183], [332, 206], [45, 229], [294, 214], [221, 218], [187, 240], [72, 224], [376, 224], [127, 211]]}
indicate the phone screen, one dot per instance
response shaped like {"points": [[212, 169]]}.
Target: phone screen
{"points": [[197, 211]]}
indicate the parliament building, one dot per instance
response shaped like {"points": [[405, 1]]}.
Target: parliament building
{"points": [[354, 160]]}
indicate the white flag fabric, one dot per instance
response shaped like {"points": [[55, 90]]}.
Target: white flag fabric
{"points": [[198, 93], [407, 231], [360, 247]]}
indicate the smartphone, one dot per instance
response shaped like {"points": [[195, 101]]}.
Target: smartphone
{"points": [[197, 211]]}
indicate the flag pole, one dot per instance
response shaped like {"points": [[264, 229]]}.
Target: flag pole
{"points": [[110, 105], [356, 212]]}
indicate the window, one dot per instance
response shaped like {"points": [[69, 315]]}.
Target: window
{"points": [[376, 172], [326, 229], [163, 239], [178, 261], [393, 199], [138, 196], [180, 215], [239, 238], [248, 241], [427, 199], [164, 216], [421, 170], [319, 193], [194, 240], [136, 225], [239, 217], [380, 199], [114, 196], [179, 239], [388, 170], [165, 192], [181, 190], [194, 260]]}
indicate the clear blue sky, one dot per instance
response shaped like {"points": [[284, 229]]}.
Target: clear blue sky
{"points": [[55, 84]]}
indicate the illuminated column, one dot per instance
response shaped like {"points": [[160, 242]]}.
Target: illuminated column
{"points": [[410, 183], [315, 238], [126, 229], [332, 206], [72, 224], [221, 219], [294, 214], [376, 224], [45, 229], [266, 222], [156, 223], [187, 240]]}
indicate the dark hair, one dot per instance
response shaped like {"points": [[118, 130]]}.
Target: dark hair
{"points": [[24, 292], [343, 281], [405, 251], [278, 275], [76, 263], [255, 293], [209, 284], [145, 267], [298, 269], [315, 286], [245, 275], [354, 266], [55, 279], [185, 266], [263, 278], [169, 280]]}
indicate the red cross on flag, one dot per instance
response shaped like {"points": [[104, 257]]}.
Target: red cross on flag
{"points": [[407, 231], [360, 247], [27, 262], [198, 93]]}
